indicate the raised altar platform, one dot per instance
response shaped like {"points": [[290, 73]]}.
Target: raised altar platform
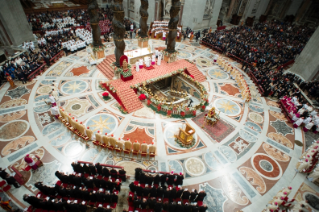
{"points": [[127, 97]]}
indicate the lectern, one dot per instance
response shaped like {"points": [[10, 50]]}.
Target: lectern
{"points": [[186, 136]]}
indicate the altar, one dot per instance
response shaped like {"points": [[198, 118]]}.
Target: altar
{"points": [[137, 54]]}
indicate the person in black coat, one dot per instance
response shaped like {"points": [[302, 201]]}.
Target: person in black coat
{"points": [[32, 200], [77, 180], [172, 207], [203, 208], [103, 184], [97, 182], [151, 203], [163, 179], [179, 207], [153, 192], [186, 194], [122, 175], [75, 167], [166, 206], [106, 172], [139, 190], [195, 208], [138, 171], [187, 208], [172, 195], [86, 169], [93, 196], [113, 173], [167, 193], [137, 202], [82, 208], [171, 179], [193, 195], [160, 192], [114, 198], [144, 204], [3, 173], [132, 187], [99, 168], [158, 206], [201, 195], [11, 181], [100, 196], [142, 178], [179, 179], [117, 185], [146, 192], [157, 179], [85, 194], [92, 169], [149, 179], [89, 182], [179, 194]]}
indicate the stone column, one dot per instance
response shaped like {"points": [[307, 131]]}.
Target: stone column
{"points": [[284, 10], [231, 7], [307, 63], [302, 10], [269, 7], [14, 26], [119, 30]]}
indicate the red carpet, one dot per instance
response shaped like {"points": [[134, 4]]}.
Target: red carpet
{"points": [[219, 131]]}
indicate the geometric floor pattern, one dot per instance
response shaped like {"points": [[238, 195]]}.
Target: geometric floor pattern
{"points": [[240, 168]]}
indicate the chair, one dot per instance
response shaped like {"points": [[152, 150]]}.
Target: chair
{"points": [[144, 148], [119, 147], [136, 149], [105, 141], [89, 133], [98, 139], [127, 148], [112, 143], [152, 151]]}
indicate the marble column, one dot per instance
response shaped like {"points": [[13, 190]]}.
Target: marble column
{"points": [[14, 26], [231, 7], [307, 63], [302, 10], [269, 7], [284, 9]]}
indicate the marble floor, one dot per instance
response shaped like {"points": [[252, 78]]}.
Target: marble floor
{"points": [[241, 166]]}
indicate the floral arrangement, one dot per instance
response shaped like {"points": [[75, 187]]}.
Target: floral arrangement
{"points": [[166, 53], [106, 96], [183, 145], [117, 70], [122, 109], [97, 48], [142, 39]]}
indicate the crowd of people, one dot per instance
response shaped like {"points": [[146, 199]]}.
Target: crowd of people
{"points": [[91, 186], [155, 191], [264, 45]]}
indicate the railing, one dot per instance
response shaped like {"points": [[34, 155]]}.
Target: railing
{"points": [[57, 56], [35, 73], [105, 165]]}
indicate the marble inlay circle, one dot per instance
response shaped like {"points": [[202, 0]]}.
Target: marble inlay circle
{"points": [[76, 107], [195, 166], [105, 123], [184, 54], [227, 107], [217, 74], [170, 131], [130, 166], [74, 87], [73, 149], [255, 117], [45, 89], [265, 165], [13, 130], [258, 162]]}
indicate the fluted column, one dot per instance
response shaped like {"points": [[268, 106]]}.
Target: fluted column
{"points": [[302, 10], [269, 7], [307, 63], [231, 7]]}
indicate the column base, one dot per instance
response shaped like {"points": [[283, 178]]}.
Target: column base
{"points": [[170, 57], [143, 42], [99, 54]]}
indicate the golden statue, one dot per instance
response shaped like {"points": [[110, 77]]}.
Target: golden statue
{"points": [[212, 117]]}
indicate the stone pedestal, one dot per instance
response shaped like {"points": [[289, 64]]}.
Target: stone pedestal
{"points": [[99, 54], [142, 42], [170, 57]]}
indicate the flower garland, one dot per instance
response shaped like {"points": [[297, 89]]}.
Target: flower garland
{"points": [[183, 145], [167, 54], [97, 48], [121, 109]]}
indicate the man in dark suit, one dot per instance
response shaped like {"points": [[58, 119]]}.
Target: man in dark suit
{"points": [[158, 206], [172, 195], [122, 175], [113, 173], [106, 172], [163, 179], [179, 207], [171, 179], [186, 194], [132, 187], [92, 169], [193, 195], [201, 195], [179, 179], [160, 192], [11, 181], [139, 190], [172, 207], [203, 208], [98, 168]]}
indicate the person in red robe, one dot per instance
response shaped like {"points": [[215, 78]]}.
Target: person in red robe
{"points": [[30, 162]]}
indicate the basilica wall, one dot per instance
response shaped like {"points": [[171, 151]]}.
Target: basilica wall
{"points": [[294, 6]]}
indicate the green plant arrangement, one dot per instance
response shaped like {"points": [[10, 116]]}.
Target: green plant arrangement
{"points": [[97, 48], [121, 109], [185, 146]]}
